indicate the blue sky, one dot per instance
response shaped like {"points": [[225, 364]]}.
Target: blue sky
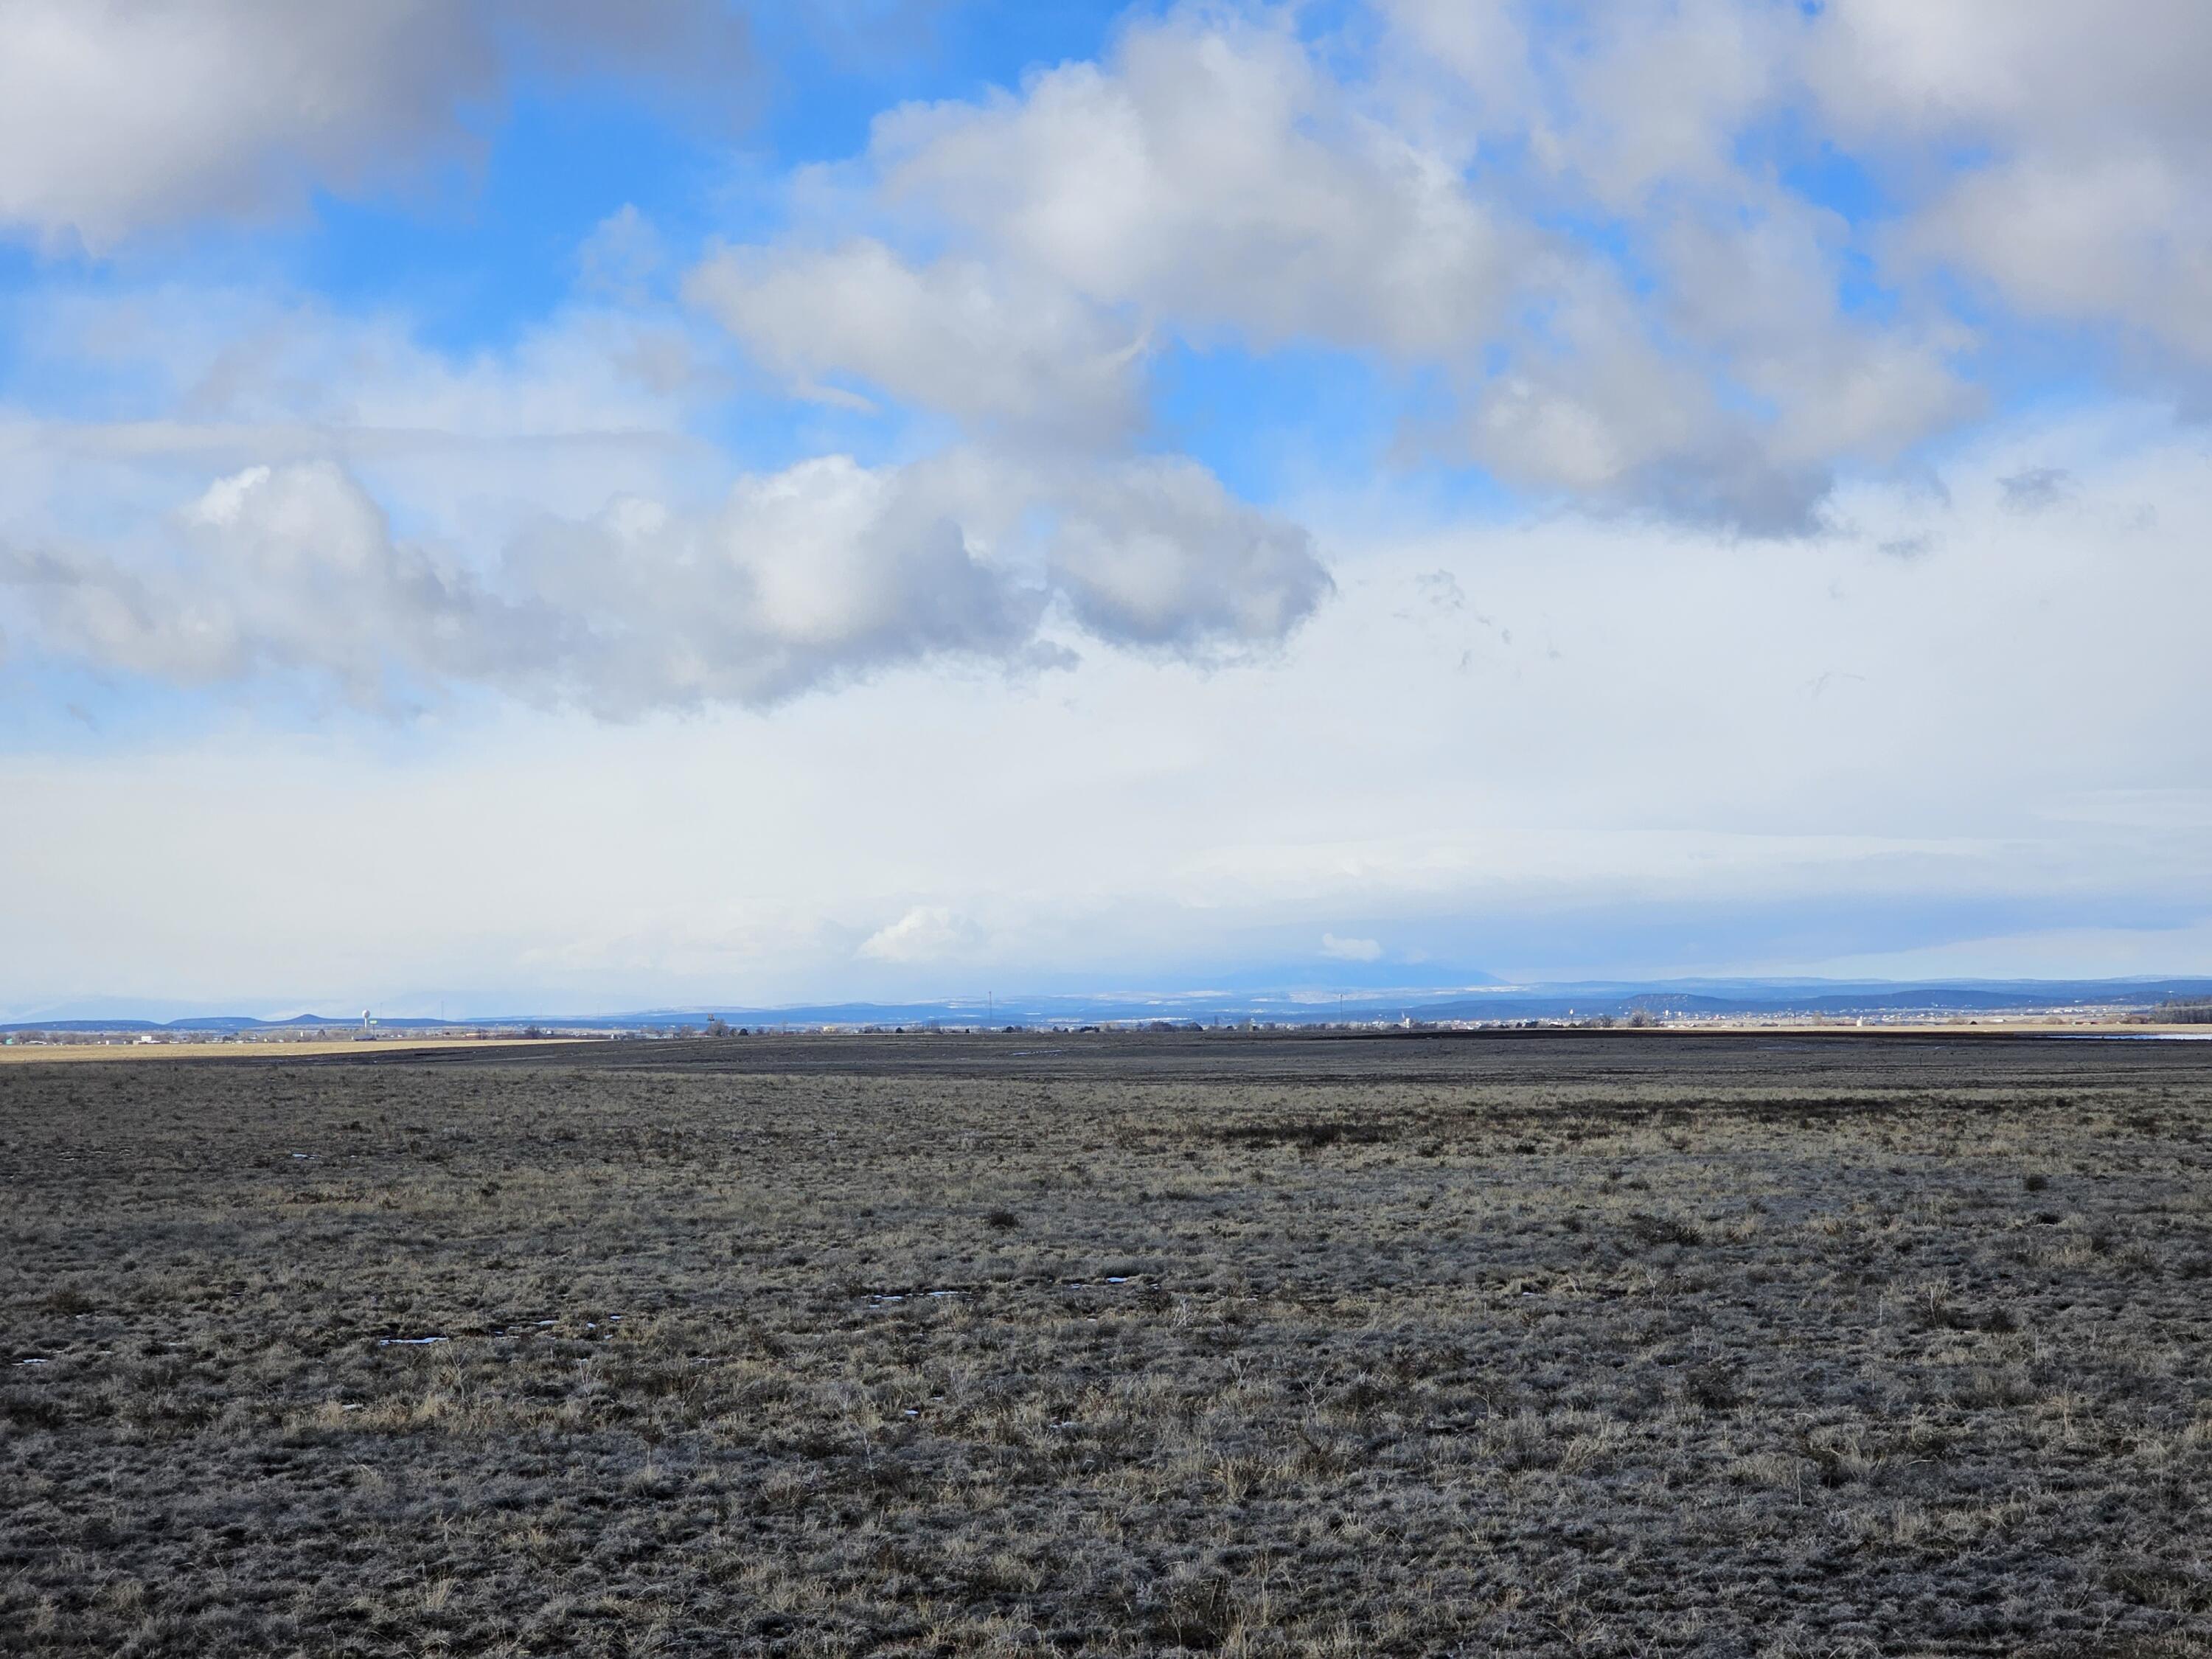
{"points": [[554, 506]]}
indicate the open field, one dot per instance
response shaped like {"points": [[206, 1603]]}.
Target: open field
{"points": [[1605, 1344], [288, 1048]]}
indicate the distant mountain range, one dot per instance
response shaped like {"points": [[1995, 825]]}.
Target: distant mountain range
{"points": [[1614, 998]]}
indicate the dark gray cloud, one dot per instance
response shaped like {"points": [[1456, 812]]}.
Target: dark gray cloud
{"points": [[119, 119], [2036, 489], [1158, 555]]}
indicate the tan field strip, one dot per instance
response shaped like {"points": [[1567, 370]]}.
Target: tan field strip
{"points": [[43, 1052]]}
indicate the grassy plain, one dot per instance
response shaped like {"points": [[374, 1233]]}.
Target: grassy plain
{"points": [[1602, 1344]]}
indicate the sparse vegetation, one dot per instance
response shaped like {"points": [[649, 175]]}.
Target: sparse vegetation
{"points": [[1606, 1344]]}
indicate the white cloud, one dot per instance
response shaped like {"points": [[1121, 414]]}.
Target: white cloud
{"points": [[1218, 177], [925, 934], [1350, 950], [2082, 199], [1211, 171], [457, 450], [1568, 227], [120, 117], [1548, 779], [822, 573], [278, 569], [621, 257], [2036, 147], [1216, 180], [987, 346]]}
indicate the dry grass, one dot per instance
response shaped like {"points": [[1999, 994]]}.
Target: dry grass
{"points": [[1598, 1345], [53, 1053]]}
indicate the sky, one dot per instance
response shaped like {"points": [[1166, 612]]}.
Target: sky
{"points": [[541, 507]]}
